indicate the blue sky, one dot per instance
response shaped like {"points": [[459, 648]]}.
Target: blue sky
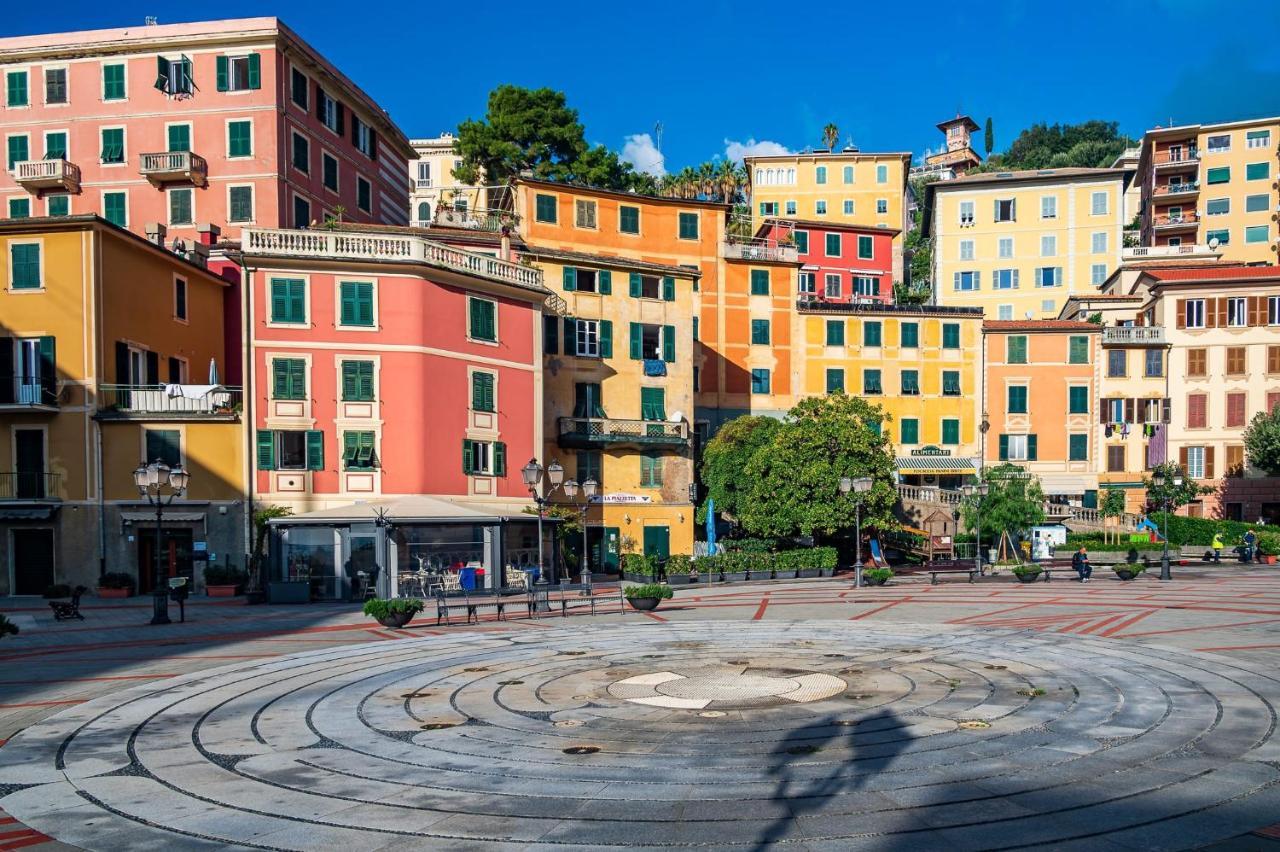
{"points": [[719, 73]]}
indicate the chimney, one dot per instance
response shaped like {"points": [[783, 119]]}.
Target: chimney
{"points": [[505, 251], [156, 233], [208, 233]]}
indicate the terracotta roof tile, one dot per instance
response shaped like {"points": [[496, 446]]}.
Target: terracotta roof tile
{"points": [[1227, 272]]}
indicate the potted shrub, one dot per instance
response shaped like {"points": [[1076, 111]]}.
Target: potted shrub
{"points": [[637, 567], [877, 576], [1028, 573], [808, 564], [396, 612], [116, 584], [734, 569], [786, 565], [648, 596], [7, 627], [826, 558], [680, 570], [709, 568], [1268, 547], [1128, 570], [222, 581]]}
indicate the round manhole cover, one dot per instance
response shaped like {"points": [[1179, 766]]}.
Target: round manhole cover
{"points": [[582, 749]]}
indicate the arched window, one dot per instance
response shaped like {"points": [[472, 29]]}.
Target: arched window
{"points": [[791, 176], [424, 212], [759, 176]]}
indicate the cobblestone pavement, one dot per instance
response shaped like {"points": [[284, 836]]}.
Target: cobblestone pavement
{"points": [[1135, 715]]}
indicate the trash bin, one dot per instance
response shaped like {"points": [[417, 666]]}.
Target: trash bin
{"points": [[179, 591], [467, 578]]}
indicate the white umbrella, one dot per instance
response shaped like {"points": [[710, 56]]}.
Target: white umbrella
{"points": [[213, 371]]}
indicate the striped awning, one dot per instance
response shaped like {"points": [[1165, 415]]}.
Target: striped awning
{"points": [[937, 464]]}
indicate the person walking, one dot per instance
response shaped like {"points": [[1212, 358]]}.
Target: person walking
{"points": [[1250, 545], [1217, 547], [1080, 562]]}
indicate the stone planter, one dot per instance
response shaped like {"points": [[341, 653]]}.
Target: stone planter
{"points": [[875, 581], [677, 579], [1028, 577], [1127, 575], [632, 577], [108, 594], [396, 619], [806, 573], [734, 576], [221, 591], [644, 604]]}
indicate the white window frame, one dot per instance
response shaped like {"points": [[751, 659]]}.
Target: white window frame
{"points": [[8, 252], [1195, 462], [996, 283], [306, 311], [1019, 441], [581, 204], [1237, 312], [102, 81], [338, 281], [973, 281], [48, 198], [102, 203], [226, 137], [497, 330], [44, 86], [232, 59], [882, 173], [1098, 242], [1199, 306], [1094, 198], [1251, 230], [820, 207], [1049, 207], [1057, 277], [966, 212], [253, 203], [1273, 310], [18, 69], [848, 174], [790, 207], [966, 249], [44, 137], [1210, 201], [864, 282], [1263, 141], [1004, 247], [807, 282], [831, 285], [1098, 274], [1049, 245], [1219, 148], [847, 206], [124, 145], [586, 338], [168, 201], [1004, 312], [882, 207]]}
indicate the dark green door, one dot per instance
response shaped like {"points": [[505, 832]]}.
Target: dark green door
{"points": [[608, 541], [657, 542], [30, 457], [1090, 499]]}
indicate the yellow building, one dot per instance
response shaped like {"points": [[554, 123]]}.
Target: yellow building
{"points": [[432, 186], [1018, 244], [102, 335], [1213, 185], [619, 353], [847, 186], [920, 363]]}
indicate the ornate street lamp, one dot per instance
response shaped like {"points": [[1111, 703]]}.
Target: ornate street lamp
{"points": [[160, 484], [1160, 481], [540, 484], [589, 489], [857, 486], [978, 491]]}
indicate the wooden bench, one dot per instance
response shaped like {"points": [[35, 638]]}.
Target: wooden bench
{"points": [[1047, 568], [471, 605], [933, 572], [68, 609]]}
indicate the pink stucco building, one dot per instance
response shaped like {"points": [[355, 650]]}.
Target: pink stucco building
{"points": [[838, 262], [238, 123]]}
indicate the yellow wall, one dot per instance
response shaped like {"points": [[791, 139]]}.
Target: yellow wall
{"points": [[1072, 228], [1238, 189], [930, 407]]}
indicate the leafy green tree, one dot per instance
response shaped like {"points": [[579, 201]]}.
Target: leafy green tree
{"points": [[1014, 503], [989, 137], [601, 167], [795, 478], [1262, 441], [1090, 144], [1176, 496], [725, 458], [1112, 505]]}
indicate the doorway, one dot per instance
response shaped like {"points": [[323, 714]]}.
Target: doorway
{"points": [[175, 556], [32, 561], [29, 449], [657, 542]]}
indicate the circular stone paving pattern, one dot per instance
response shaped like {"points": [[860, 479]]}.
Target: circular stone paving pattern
{"points": [[819, 735]]}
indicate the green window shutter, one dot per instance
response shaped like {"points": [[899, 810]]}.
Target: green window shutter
{"points": [[1017, 350], [113, 88], [865, 247], [835, 380], [350, 449], [759, 331], [759, 282], [239, 139], [635, 285], [223, 74], [364, 303], [606, 339], [1219, 175], [688, 226], [950, 336], [26, 266], [279, 300], [604, 282], [653, 404], [637, 342], [482, 391], [835, 332], [870, 333], [550, 335], [1257, 171], [350, 380], [18, 150], [279, 379], [499, 458], [315, 449], [483, 326], [1004, 448], [1079, 400], [1079, 448], [266, 450], [1031, 448], [669, 344], [910, 431], [950, 431], [17, 96], [55, 146], [545, 208], [668, 289], [629, 219], [910, 333], [570, 278], [570, 336], [255, 71], [468, 457], [162, 74], [695, 328], [833, 245], [1079, 350]]}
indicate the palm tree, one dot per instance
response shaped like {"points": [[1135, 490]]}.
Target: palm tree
{"points": [[727, 180], [830, 136], [688, 182]]}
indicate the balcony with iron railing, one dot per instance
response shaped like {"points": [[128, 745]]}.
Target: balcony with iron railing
{"points": [[169, 402], [1176, 159], [174, 167], [1175, 221], [474, 219], [759, 250], [1133, 335], [586, 433], [350, 245], [1185, 189], [29, 485], [21, 392], [47, 174]]}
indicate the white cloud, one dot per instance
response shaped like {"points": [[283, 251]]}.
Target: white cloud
{"points": [[735, 150], [643, 155]]}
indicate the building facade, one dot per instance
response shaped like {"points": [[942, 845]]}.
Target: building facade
{"points": [[1213, 185], [1040, 392], [957, 157], [238, 123], [1019, 244], [432, 185], [846, 187], [92, 386], [387, 369], [838, 263]]}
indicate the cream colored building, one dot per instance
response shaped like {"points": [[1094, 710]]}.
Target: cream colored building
{"points": [[1213, 184], [431, 183], [848, 186], [1018, 244]]}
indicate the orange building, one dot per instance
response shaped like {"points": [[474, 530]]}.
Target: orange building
{"points": [[1040, 392]]}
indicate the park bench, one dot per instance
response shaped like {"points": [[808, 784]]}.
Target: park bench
{"points": [[470, 604], [951, 568], [68, 609], [1047, 568], [576, 596]]}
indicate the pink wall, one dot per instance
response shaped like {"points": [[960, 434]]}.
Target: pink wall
{"points": [[424, 396], [815, 260]]}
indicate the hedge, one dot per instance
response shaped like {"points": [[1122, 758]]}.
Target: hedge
{"points": [[825, 558], [639, 564], [1195, 532]]}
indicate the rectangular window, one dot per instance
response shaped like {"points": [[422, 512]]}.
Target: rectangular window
{"points": [[1257, 233], [653, 404], [180, 298], [1078, 448], [1197, 410], [357, 451], [1115, 458], [910, 382], [584, 213], [848, 174], [688, 226], [301, 153], [871, 333], [835, 380], [789, 206], [1217, 206], [1154, 363], [759, 282], [769, 208], [164, 445], [482, 385], [866, 247], [866, 285], [288, 378], [950, 335], [1273, 360], [1195, 313], [1098, 274], [760, 332], [356, 304], [1005, 247], [55, 85], [1236, 360], [1005, 279], [1236, 404], [484, 458], [967, 281], [1273, 310], [1099, 203], [1016, 396], [966, 249], [832, 285], [288, 301], [759, 381], [1016, 349], [179, 137], [834, 247], [882, 174], [1197, 362], [482, 319], [951, 383], [650, 470], [1078, 350], [115, 208], [1006, 210], [1099, 242], [1195, 462], [1048, 246], [910, 431], [835, 332], [950, 431], [545, 208], [1257, 171], [1257, 138], [299, 91], [1222, 174], [1078, 399], [871, 382], [329, 169], [966, 212], [357, 381], [1117, 363], [16, 89], [590, 467], [807, 283], [1256, 203], [820, 174], [847, 207], [113, 145], [1004, 312], [113, 86], [364, 194], [1049, 207], [585, 337], [55, 145], [1048, 276], [1222, 235], [24, 260], [628, 219], [802, 241], [59, 205], [1237, 311], [240, 204], [910, 334], [240, 139], [239, 73], [1219, 144], [19, 208], [301, 212], [882, 206]]}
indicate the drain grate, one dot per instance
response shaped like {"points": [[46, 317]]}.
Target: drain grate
{"points": [[438, 726], [804, 749], [581, 749], [974, 724], [712, 714], [569, 723], [510, 682], [476, 669]]}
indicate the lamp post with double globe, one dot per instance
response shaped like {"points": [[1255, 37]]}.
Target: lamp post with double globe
{"points": [[541, 483], [1161, 481], [160, 484], [858, 486], [588, 488], [977, 492]]}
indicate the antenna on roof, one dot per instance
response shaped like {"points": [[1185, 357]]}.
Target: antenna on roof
{"points": [[150, 20]]}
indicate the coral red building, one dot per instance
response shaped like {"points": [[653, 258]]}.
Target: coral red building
{"points": [[838, 263]]}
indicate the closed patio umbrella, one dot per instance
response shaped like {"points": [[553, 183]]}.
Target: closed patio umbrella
{"points": [[213, 371]]}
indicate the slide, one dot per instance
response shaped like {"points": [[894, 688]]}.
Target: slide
{"points": [[1146, 524], [877, 554]]}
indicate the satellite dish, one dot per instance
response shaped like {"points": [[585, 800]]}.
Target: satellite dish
{"points": [[677, 416], [1030, 314], [1214, 243]]}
